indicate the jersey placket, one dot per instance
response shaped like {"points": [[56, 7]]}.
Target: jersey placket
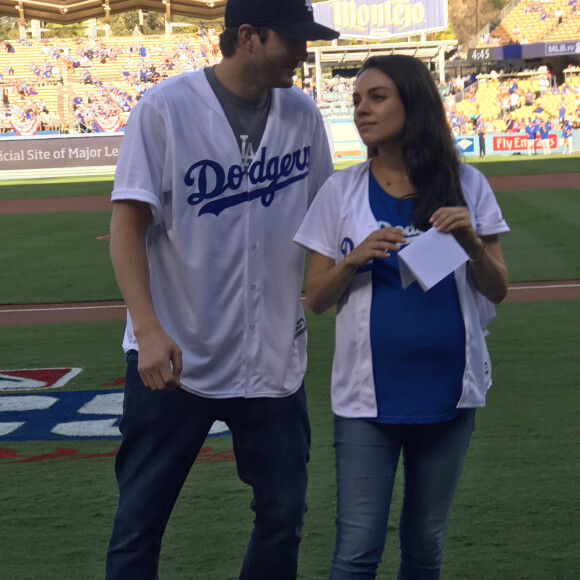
{"points": [[253, 290]]}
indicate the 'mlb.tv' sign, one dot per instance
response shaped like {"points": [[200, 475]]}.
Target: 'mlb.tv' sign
{"points": [[382, 19], [562, 48]]}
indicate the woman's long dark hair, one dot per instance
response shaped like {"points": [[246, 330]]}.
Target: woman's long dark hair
{"points": [[429, 151]]}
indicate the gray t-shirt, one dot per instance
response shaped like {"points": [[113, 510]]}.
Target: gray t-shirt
{"points": [[247, 117]]}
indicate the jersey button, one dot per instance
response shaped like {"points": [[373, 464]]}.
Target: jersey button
{"points": [[254, 246], [252, 286]]}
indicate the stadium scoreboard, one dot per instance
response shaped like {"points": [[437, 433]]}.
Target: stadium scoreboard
{"points": [[480, 54]]}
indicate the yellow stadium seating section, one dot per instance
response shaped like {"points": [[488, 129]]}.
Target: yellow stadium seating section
{"points": [[527, 26], [56, 95]]}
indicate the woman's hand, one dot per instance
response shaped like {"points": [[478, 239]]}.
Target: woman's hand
{"points": [[485, 255], [376, 245], [456, 221], [327, 281]]}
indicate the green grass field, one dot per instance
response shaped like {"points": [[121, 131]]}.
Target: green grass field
{"points": [[95, 185], [56, 257], [496, 166], [545, 236], [517, 508], [517, 501], [55, 187]]}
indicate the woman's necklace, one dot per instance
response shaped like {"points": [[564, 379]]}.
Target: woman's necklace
{"points": [[396, 185], [386, 179]]}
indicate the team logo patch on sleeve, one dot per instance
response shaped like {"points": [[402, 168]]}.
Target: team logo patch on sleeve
{"points": [[346, 246], [300, 328]]}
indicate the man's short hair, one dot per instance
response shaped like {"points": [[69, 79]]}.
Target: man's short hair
{"points": [[229, 39]]}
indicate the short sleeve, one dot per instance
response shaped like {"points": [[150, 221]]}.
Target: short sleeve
{"points": [[318, 231], [483, 206], [321, 166], [140, 166]]}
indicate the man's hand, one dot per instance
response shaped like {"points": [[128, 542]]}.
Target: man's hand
{"points": [[159, 357], [159, 361]]}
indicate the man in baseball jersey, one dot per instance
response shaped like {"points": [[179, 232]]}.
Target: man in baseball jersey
{"points": [[545, 129], [530, 130], [215, 174], [568, 136]]}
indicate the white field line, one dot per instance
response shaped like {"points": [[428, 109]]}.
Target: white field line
{"points": [[73, 308], [542, 287]]}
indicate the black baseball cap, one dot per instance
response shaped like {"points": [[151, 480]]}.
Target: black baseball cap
{"points": [[289, 18]]}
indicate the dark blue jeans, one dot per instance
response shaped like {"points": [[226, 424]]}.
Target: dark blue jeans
{"points": [[367, 456], [163, 433]]}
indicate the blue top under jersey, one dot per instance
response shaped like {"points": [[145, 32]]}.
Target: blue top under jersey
{"points": [[417, 338]]}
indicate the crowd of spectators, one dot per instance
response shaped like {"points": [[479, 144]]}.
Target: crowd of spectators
{"points": [[17, 106], [160, 62], [490, 39], [512, 95], [141, 66], [7, 46], [460, 82], [103, 105], [335, 89], [77, 63], [533, 12]]}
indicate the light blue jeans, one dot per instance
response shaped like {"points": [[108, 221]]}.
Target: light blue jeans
{"points": [[367, 455]]}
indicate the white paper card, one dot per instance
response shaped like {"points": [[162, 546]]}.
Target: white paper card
{"points": [[429, 258]]}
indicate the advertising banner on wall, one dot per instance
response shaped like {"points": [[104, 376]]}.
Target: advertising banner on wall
{"points": [[518, 143], [59, 152], [465, 144], [564, 48], [379, 19], [516, 51], [506, 144]]}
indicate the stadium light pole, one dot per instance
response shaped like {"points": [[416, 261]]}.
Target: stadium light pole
{"points": [[167, 4], [21, 20], [107, 9], [476, 16]]}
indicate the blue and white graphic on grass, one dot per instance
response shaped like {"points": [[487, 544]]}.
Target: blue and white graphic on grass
{"points": [[66, 416]]}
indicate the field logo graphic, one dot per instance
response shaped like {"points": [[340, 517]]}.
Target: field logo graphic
{"points": [[60, 416], [32, 379]]}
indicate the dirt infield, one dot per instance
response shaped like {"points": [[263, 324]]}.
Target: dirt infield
{"points": [[94, 311], [103, 202], [55, 204], [542, 181], [533, 291], [56, 313], [115, 310]]}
